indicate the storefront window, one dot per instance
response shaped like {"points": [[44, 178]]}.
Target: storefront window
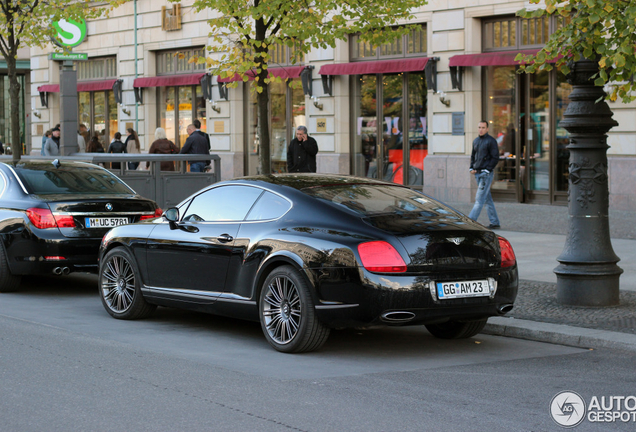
{"points": [[365, 146], [178, 107], [418, 137], [287, 112], [402, 96], [97, 110], [501, 114]]}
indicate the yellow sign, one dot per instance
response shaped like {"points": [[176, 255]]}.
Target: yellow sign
{"points": [[219, 126], [321, 125]]}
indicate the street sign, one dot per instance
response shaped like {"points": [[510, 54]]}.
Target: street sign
{"points": [[70, 33], [68, 56]]}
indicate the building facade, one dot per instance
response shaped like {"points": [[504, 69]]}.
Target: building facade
{"points": [[405, 112]]}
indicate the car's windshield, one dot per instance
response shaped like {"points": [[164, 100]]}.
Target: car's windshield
{"points": [[46, 179], [372, 200]]}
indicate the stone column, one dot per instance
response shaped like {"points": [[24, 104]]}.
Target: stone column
{"points": [[587, 274], [68, 109]]}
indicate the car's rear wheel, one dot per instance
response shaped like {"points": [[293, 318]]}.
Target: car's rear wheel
{"points": [[287, 313], [8, 282], [456, 329], [120, 286]]}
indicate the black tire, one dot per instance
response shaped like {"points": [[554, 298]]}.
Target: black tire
{"points": [[287, 313], [456, 329], [120, 286], [8, 281]]}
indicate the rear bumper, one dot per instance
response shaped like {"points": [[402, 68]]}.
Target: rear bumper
{"points": [[33, 256], [410, 301]]}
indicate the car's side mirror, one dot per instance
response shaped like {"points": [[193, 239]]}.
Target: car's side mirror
{"points": [[172, 216]]}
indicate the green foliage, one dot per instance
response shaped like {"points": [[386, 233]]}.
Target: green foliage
{"points": [[27, 23], [594, 29], [244, 30]]}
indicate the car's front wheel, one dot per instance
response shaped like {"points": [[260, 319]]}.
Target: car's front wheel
{"points": [[456, 329], [287, 313], [8, 282], [120, 286]]}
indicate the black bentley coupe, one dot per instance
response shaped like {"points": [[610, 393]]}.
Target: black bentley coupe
{"points": [[53, 215], [306, 253]]}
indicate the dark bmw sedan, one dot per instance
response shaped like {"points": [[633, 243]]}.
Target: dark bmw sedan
{"points": [[304, 254], [53, 216]]}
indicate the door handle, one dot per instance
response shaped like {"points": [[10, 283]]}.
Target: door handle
{"points": [[225, 238]]}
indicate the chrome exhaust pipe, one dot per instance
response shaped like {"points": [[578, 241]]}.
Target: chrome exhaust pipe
{"points": [[57, 270], [66, 271], [504, 309], [396, 317]]}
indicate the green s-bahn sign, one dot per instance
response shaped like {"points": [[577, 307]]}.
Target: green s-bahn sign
{"points": [[69, 33]]}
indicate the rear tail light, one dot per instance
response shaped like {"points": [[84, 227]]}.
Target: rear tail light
{"points": [[381, 257], [508, 258], [44, 218], [158, 212]]}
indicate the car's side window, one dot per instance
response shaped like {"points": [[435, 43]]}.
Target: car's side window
{"points": [[223, 203], [269, 206]]}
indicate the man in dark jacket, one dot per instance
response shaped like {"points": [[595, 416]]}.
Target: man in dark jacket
{"points": [[195, 144], [483, 160], [116, 147], [301, 153]]}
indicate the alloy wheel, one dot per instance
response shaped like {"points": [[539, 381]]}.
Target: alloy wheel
{"points": [[282, 310], [118, 284]]}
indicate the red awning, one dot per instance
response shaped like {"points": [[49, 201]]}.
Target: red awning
{"points": [[81, 86], [282, 72], [49, 88], [169, 80], [375, 67], [96, 85], [501, 58]]}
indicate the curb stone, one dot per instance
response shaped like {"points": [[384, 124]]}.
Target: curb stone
{"points": [[559, 334]]}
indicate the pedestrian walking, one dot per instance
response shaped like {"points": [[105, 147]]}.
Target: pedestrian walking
{"points": [[117, 147], [483, 160], [46, 136], [132, 146], [162, 145], [196, 144], [95, 145], [52, 145]]}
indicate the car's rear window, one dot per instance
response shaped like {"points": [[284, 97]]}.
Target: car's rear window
{"points": [[48, 180], [373, 200]]}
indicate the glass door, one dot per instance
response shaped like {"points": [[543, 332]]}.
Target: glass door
{"points": [[501, 113], [365, 148]]}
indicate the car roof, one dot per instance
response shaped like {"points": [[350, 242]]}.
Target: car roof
{"points": [[302, 181], [45, 163]]}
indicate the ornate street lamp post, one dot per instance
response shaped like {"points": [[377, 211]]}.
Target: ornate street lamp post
{"points": [[587, 274]]}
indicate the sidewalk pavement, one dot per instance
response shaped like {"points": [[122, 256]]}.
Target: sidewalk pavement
{"points": [[537, 234]]}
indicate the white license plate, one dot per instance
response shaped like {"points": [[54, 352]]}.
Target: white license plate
{"points": [[105, 222], [451, 290]]}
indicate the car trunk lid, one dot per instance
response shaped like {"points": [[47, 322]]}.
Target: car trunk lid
{"points": [[93, 217], [441, 242]]}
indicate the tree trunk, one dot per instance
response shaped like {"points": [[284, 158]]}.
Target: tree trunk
{"points": [[14, 93], [262, 100]]}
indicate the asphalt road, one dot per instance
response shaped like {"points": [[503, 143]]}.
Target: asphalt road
{"points": [[66, 365]]}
